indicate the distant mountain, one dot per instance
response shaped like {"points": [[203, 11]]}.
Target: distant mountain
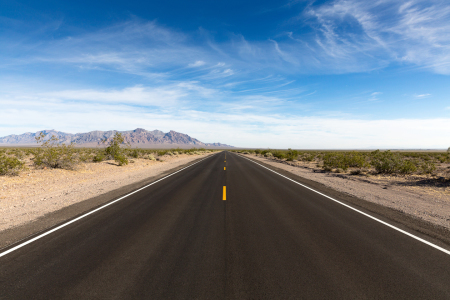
{"points": [[138, 137]]}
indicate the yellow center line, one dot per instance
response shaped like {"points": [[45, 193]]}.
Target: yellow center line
{"points": [[224, 168], [224, 193]]}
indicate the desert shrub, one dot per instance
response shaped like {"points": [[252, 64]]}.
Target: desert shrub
{"points": [[85, 155], [162, 152], [55, 155], [427, 167], [10, 165], [407, 167], [169, 153], [99, 157], [268, 154], [115, 151], [386, 162], [175, 153], [356, 160], [291, 154], [442, 158], [279, 154], [335, 160], [344, 160], [307, 157], [134, 153], [151, 157]]}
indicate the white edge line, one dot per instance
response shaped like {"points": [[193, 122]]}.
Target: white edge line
{"points": [[363, 213], [91, 212]]}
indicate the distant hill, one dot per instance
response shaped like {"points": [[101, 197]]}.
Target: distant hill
{"points": [[137, 138]]}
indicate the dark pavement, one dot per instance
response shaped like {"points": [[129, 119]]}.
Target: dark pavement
{"points": [[271, 239]]}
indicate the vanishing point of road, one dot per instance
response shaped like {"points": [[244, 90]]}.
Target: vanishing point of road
{"points": [[225, 228]]}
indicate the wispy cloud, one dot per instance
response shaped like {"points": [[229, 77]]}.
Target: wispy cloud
{"points": [[374, 96], [422, 96], [415, 31], [249, 92], [254, 127], [198, 63]]}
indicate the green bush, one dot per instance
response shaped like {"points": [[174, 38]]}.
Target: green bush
{"points": [[344, 160], [115, 151], [279, 154], [408, 167], [99, 157], [291, 155], [307, 157], [268, 154], [427, 167], [388, 162], [134, 153], [335, 160], [357, 160], [55, 155], [10, 165]]}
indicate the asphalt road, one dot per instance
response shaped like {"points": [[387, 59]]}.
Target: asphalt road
{"points": [[270, 239]]}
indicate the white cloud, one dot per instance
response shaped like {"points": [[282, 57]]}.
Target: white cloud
{"points": [[422, 96], [416, 31], [162, 96], [198, 63], [238, 123]]}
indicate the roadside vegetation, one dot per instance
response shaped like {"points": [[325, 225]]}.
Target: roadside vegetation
{"points": [[51, 154], [388, 162]]}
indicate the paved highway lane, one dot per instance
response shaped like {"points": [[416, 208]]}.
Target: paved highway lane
{"points": [[270, 239]]}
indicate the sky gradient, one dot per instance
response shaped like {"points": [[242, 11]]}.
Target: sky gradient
{"points": [[301, 74]]}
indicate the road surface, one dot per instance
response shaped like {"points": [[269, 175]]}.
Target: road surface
{"points": [[270, 239]]}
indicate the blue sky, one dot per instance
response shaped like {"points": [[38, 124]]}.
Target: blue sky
{"points": [[279, 74]]}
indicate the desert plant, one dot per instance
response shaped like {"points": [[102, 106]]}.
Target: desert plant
{"points": [[386, 162], [55, 155], [134, 153], [356, 160], [279, 154], [151, 157], [115, 151], [427, 167], [334, 160], [99, 157], [10, 165], [407, 167], [291, 155], [268, 154], [307, 157]]}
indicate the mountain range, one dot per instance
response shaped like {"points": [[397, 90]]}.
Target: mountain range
{"points": [[137, 138]]}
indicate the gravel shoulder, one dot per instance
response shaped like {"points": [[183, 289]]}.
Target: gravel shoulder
{"points": [[409, 200], [39, 199]]}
